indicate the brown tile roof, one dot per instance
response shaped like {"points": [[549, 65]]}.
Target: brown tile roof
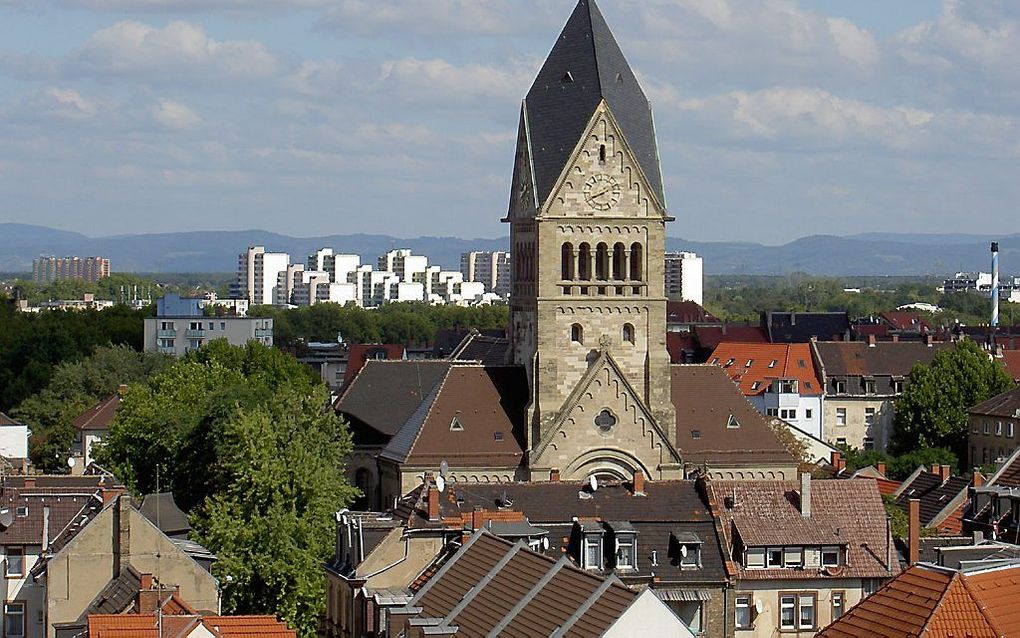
{"points": [[704, 399], [1006, 404], [360, 353], [709, 337], [792, 361], [929, 601], [384, 395], [6, 420], [1008, 474], [28, 507], [487, 350], [474, 417], [99, 417], [688, 312], [934, 493], [527, 595], [764, 513], [906, 321], [1011, 359], [857, 358]]}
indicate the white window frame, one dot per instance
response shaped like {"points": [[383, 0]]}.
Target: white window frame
{"points": [[592, 541], [628, 541], [800, 611], [19, 552], [841, 417], [1009, 429], [9, 612], [755, 558], [838, 603], [831, 551], [869, 416], [748, 607], [788, 602], [768, 557], [793, 557]]}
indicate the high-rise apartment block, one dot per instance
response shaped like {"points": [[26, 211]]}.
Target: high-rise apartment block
{"points": [[490, 268], [47, 269], [685, 277], [262, 277]]}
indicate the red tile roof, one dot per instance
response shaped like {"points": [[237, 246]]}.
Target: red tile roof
{"points": [[688, 312], [358, 353], [768, 361], [6, 420], [1011, 359], [99, 417], [935, 602], [679, 342], [907, 321], [144, 626], [711, 336]]}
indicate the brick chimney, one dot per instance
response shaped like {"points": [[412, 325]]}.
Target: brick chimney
{"points": [[639, 483], [936, 469], [145, 582], [929, 340], [805, 495], [433, 499], [29, 482], [835, 459], [554, 476], [945, 471], [913, 531], [978, 480], [871, 341], [880, 466], [895, 338], [111, 494], [477, 518]]}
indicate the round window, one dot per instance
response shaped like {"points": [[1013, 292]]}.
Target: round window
{"points": [[605, 421]]}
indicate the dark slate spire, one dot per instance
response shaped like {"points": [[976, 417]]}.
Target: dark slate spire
{"points": [[585, 66]]}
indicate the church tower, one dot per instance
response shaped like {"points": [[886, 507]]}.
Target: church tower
{"points": [[587, 223]]}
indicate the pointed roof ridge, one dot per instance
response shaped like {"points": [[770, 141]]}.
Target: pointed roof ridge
{"points": [[556, 112]]}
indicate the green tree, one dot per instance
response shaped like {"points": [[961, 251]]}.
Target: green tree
{"points": [[933, 410], [244, 439], [73, 389]]}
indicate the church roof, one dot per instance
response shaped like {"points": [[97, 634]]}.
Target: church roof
{"points": [[586, 66]]}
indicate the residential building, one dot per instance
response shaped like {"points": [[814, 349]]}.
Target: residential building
{"points": [[91, 427], [48, 269], [780, 380], [941, 495], [1011, 359], [994, 507], [181, 325], [328, 361], [13, 439], [258, 277], [404, 264], [34, 511], [685, 277], [863, 381], [993, 428], [595, 606], [90, 555], [88, 301], [803, 553], [666, 537], [683, 316], [981, 282], [492, 269], [803, 327], [975, 598]]}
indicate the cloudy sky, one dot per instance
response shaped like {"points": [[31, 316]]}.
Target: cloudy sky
{"points": [[776, 118]]}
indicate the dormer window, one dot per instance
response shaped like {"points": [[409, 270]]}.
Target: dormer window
{"points": [[592, 555], [830, 557], [773, 363], [21, 512], [755, 385], [749, 362], [626, 551], [685, 550], [839, 386], [869, 386]]}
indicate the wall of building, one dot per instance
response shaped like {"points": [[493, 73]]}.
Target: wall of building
{"points": [[178, 335], [766, 623], [857, 429], [991, 437], [647, 616], [773, 404], [24, 589]]}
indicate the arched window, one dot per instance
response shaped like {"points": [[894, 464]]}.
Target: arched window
{"points": [[619, 261], [567, 262], [602, 262], [636, 261], [577, 333], [602, 153], [628, 333], [584, 262]]}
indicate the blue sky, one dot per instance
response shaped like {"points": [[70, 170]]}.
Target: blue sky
{"points": [[776, 118]]}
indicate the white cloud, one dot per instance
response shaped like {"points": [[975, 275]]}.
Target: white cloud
{"points": [[174, 115], [56, 103], [415, 79], [442, 18], [180, 49]]}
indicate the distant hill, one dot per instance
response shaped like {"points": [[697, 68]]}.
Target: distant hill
{"points": [[216, 251]]}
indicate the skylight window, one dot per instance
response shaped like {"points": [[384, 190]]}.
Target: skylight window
{"points": [[568, 78], [732, 423], [456, 425], [749, 362], [773, 363], [729, 362], [695, 434]]}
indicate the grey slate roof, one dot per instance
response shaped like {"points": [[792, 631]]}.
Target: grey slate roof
{"points": [[556, 112], [164, 513]]}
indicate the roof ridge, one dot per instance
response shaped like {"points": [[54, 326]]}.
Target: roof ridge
{"points": [[981, 607], [941, 600]]}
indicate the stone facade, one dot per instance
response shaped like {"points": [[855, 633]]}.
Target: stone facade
{"points": [[861, 422], [589, 281]]}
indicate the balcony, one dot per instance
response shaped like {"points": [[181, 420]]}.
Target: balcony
{"points": [[259, 334], [166, 334], [194, 334], [167, 349]]}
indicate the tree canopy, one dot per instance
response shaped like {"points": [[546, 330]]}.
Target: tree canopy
{"points": [[933, 410], [244, 439]]}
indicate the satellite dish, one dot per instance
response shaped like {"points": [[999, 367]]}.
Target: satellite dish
{"points": [[759, 606], [545, 543], [593, 483], [6, 518], [70, 461], [340, 514], [444, 468], [683, 551], [440, 483]]}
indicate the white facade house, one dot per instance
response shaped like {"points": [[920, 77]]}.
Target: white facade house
{"points": [[13, 438], [685, 277], [490, 268]]}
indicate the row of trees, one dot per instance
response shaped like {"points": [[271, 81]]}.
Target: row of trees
{"points": [[392, 323], [123, 286]]}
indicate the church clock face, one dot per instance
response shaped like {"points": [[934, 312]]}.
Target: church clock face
{"points": [[602, 192]]}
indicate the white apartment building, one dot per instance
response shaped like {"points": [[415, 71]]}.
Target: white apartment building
{"points": [[404, 264], [490, 268], [312, 287], [258, 276], [180, 326], [685, 277]]}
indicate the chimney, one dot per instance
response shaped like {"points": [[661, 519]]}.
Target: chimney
{"points": [[111, 495], [995, 285], [978, 479], [880, 466], [45, 527], [477, 519], [29, 482], [895, 338], [835, 459], [639, 483], [929, 340], [945, 472], [805, 495], [913, 531], [433, 503], [871, 341], [145, 582], [554, 476], [936, 469]]}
